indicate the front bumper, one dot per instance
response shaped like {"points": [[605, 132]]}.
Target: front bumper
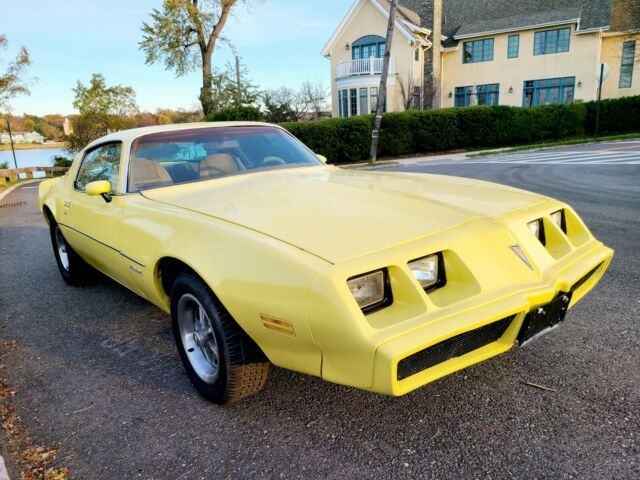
{"points": [[421, 338]]}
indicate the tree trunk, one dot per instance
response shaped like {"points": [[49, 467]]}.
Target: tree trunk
{"points": [[206, 92], [382, 91], [436, 76]]}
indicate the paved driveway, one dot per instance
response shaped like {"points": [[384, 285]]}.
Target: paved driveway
{"points": [[97, 373]]}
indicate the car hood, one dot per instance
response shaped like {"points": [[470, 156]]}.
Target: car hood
{"points": [[339, 214]]}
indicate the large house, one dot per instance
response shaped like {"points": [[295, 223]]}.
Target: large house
{"points": [[489, 52], [21, 137]]}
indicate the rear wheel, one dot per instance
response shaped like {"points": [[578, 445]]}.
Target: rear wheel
{"points": [[222, 361], [74, 270]]}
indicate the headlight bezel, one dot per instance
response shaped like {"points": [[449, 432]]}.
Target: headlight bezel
{"points": [[387, 293], [441, 274]]}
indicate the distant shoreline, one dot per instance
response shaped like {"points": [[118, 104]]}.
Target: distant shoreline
{"points": [[32, 146]]}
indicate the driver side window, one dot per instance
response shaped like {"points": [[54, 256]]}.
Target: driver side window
{"points": [[102, 163]]}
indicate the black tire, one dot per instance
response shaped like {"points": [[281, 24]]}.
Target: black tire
{"points": [[74, 270], [241, 368]]}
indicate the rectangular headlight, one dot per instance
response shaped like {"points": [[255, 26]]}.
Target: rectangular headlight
{"points": [[370, 290], [537, 228], [428, 271], [559, 219]]}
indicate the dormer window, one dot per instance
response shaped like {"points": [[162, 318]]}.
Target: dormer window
{"points": [[367, 47]]}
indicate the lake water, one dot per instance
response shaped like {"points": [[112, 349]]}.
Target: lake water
{"points": [[33, 158]]}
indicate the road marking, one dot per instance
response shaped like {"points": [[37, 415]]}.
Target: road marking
{"points": [[570, 157]]}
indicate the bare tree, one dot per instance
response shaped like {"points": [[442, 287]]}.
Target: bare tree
{"points": [[382, 90], [12, 81], [408, 94], [313, 97], [184, 35]]}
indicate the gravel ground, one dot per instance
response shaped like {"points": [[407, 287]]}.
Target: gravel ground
{"points": [[97, 373]]}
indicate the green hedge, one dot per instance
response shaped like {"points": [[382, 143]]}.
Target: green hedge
{"points": [[241, 114], [621, 115], [344, 140]]}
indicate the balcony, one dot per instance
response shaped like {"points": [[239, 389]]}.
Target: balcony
{"points": [[364, 66]]}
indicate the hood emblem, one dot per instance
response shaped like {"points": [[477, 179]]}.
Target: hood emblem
{"points": [[517, 249]]}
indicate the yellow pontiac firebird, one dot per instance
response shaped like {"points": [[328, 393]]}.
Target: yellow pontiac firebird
{"points": [[263, 254]]}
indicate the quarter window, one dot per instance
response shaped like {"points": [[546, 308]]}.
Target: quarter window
{"points": [[479, 95], [478, 51], [101, 163], [626, 66], [513, 46], [551, 41], [551, 91]]}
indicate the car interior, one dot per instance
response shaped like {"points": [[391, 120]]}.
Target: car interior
{"points": [[161, 164]]}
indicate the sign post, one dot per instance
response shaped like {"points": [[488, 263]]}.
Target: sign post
{"points": [[601, 75]]}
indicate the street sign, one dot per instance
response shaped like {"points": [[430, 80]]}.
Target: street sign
{"points": [[604, 68]]}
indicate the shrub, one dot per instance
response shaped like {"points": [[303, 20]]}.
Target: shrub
{"points": [[61, 161], [246, 114], [344, 140], [4, 165], [621, 115]]}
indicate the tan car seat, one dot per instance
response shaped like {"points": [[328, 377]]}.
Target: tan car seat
{"points": [[145, 172], [218, 165]]}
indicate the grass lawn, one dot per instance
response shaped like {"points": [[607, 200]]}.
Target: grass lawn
{"points": [[33, 146]]}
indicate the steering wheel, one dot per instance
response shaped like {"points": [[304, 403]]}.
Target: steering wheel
{"points": [[273, 161]]}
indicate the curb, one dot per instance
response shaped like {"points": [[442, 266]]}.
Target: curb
{"points": [[7, 192]]}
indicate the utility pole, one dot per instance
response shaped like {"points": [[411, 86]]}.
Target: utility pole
{"points": [[13, 150], [382, 90], [238, 83], [436, 54]]}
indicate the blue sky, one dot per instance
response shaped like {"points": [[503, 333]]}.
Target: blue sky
{"points": [[279, 41]]}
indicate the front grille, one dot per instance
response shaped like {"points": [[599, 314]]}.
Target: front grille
{"points": [[584, 279], [452, 347]]}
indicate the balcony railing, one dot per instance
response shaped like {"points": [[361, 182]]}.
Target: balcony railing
{"points": [[364, 66]]}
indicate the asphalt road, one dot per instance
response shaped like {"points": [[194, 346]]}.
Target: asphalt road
{"points": [[97, 373]]}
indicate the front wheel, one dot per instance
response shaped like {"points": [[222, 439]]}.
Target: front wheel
{"points": [[222, 361], [74, 270]]}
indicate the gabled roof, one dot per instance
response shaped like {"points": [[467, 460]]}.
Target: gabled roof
{"points": [[407, 22], [477, 17]]}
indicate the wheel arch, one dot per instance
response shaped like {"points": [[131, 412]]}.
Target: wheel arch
{"points": [[48, 215], [167, 270]]}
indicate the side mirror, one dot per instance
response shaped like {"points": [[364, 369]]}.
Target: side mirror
{"points": [[99, 187], [322, 158]]}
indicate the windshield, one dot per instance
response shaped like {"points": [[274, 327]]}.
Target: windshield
{"points": [[183, 156]]}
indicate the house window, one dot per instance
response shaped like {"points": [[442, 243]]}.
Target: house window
{"points": [[364, 101], [551, 91], [417, 54], [354, 102], [480, 95], [551, 41], [374, 99], [626, 66], [344, 103], [514, 46], [478, 51], [367, 47], [415, 102]]}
